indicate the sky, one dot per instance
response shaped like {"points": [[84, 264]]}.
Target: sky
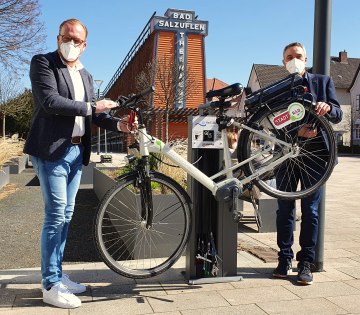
{"points": [[240, 32]]}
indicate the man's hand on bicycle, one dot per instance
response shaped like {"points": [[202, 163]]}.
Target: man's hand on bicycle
{"points": [[322, 108], [104, 106], [307, 131], [128, 123]]}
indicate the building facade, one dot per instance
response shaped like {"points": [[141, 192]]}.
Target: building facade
{"points": [[176, 42]]}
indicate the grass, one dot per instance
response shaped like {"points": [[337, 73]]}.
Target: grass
{"points": [[166, 168], [176, 173], [10, 149]]}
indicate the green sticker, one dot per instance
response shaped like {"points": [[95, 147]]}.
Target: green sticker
{"points": [[159, 143], [296, 111]]}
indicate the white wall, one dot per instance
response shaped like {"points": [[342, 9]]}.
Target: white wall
{"points": [[354, 91]]}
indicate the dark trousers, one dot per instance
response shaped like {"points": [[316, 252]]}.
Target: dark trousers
{"points": [[285, 222], [288, 178]]}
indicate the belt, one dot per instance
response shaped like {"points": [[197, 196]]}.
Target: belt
{"points": [[76, 140]]}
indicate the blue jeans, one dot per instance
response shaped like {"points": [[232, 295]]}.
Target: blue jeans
{"points": [[59, 181]]}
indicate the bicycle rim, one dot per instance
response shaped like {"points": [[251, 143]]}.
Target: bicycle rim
{"points": [[124, 242], [296, 177]]}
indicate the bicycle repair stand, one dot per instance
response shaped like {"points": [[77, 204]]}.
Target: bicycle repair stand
{"points": [[213, 225]]}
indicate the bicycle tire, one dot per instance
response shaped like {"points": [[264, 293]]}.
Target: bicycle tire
{"points": [[122, 240], [318, 152]]}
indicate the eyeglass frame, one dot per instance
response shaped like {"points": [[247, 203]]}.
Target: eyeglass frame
{"points": [[72, 39]]}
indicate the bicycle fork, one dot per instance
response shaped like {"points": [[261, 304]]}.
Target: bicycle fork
{"points": [[144, 183]]}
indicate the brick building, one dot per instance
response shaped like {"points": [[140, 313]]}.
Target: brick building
{"points": [[178, 38]]}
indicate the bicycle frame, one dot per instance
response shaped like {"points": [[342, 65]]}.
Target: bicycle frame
{"points": [[149, 144]]}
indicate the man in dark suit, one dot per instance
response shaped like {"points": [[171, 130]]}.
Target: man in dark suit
{"points": [[323, 91], [59, 143]]}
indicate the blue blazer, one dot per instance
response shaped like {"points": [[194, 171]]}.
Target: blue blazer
{"points": [[323, 90], [55, 109]]}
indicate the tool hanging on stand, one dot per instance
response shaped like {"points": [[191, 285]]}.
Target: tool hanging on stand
{"points": [[207, 259]]}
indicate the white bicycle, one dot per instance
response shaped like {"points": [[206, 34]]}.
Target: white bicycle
{"points": [[143, 223]]}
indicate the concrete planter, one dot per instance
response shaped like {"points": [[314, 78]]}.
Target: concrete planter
{"points": [[17, 164], [102, 183], [4, 175]]}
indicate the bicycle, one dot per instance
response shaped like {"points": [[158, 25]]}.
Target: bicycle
{"points": [[143, 223]]}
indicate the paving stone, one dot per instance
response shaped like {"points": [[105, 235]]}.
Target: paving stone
{"points": [[256, 295], [178, 287], [351, 271], [331, 274], [306, 306], [236, 310], [342, 262], [121, 291], [135, 305], [322, 289], [350, 303], [336, 253], [180, 302], [257, 280], [37, 310]]}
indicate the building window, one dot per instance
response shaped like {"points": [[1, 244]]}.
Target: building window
{"points": [[357, 102], [357, 131]]}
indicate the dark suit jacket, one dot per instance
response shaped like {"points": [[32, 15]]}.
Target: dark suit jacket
{"points": [[323, 90], [55, 109]]}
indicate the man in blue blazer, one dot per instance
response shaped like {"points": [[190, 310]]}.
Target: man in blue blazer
{"points": [[59, 143], [323, 91]]}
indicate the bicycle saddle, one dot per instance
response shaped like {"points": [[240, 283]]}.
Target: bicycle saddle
{"points": [[231, 90]]}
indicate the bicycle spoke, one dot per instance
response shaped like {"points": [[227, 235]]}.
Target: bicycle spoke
{"points": [[134, 249], [313, 160]]}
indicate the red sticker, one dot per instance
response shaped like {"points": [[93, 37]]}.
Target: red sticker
{"points": [[281, 119]]}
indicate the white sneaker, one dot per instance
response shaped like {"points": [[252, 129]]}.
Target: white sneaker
{"points": [[60, 296], [72, 286]]}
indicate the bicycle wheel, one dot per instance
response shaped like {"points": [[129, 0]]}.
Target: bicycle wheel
{"points": [[310, 136], [124, 242]]}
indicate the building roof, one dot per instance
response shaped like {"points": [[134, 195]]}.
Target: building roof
{"points": [[215, 84], [268, 74], [342, 72]]}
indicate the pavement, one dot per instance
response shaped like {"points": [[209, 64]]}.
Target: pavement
{"points": [[336, 290]]}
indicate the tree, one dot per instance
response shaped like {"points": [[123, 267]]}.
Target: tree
{"points": [[174, 84], [21, 33], [20, 122], [11, 104]]}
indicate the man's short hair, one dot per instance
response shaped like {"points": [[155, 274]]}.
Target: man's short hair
{"points": [[293, 45], [74, 21]]}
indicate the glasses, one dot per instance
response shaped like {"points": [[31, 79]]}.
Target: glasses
{"points": [[67, 39]]}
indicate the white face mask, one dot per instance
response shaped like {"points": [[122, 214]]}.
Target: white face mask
{"points": [[69, 51], [295, 65]]}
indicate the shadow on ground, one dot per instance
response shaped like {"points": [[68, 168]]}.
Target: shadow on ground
{"points": [[80, 245], [21, 218]]}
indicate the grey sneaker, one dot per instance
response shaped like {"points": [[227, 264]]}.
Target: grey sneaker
{"points": [[304, 273], [283, 269], [72, 286]]}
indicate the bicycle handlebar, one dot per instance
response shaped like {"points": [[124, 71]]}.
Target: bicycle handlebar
{"points": [[215, 104], [133, 98]]}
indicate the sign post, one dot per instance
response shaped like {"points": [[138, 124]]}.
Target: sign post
{"points": [[321, 65]]}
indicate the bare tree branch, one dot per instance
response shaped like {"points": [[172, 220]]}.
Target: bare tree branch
{"points": [[21, 33], [173, 84], [9, 91]]}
